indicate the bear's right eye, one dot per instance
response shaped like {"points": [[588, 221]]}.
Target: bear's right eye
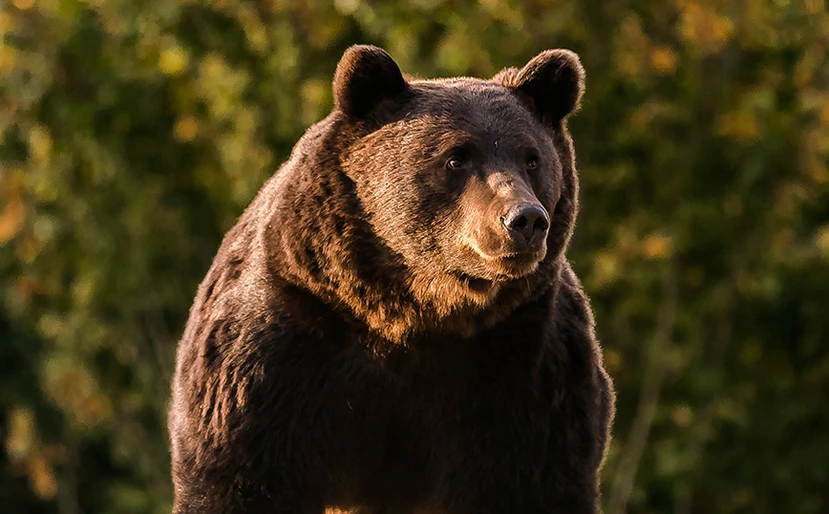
{"points": [[455, 163]]}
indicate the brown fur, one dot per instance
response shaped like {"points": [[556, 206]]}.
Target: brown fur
{"points": [[371, 338]]}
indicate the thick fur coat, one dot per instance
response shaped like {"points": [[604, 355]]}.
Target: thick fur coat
{"points": [[392, 326]]}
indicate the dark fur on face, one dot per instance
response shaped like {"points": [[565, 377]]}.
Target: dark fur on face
{"points": [[446, 262], [392, 325]]}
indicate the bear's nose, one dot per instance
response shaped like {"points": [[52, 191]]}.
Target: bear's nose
{"points": [[526, 223]]}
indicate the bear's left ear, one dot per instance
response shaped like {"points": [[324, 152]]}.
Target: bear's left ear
{"points": [[551, 84], [365, 76]]}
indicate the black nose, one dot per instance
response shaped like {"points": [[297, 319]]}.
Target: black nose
{"points": [[526, 223]]}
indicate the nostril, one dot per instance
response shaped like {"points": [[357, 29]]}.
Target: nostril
{"points": [[541, 224], [520, 224], [526, 222]]}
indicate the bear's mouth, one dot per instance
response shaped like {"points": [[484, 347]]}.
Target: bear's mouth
{"points": [[520, 264], [476, 284], [512, 266]]}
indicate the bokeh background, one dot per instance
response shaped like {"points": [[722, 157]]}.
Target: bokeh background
{"points": [[132, 135]]}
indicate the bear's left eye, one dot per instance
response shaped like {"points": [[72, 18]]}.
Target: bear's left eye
{"points": [[532, 163]]}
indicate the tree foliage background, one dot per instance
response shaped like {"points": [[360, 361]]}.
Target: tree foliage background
{"points": [[132, 134]]}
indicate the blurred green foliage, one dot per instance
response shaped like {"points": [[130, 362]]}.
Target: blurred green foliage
{"points": [[132, 134]]}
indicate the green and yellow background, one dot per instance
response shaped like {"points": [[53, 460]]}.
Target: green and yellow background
{"points": [[133, 133]]}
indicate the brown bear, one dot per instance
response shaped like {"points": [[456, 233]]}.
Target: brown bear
{"points": [[392, 326]]}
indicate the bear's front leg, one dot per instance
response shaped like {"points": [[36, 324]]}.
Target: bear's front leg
{"points": [[509, 490], [521, 460], [218, 494]]}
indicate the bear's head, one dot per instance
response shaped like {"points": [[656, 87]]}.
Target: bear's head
{"points": [[468, 186]]}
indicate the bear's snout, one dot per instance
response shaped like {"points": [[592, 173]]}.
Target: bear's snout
{"points": [[527, 225]]}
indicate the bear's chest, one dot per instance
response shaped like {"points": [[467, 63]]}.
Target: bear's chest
{"points": [[415, 415]]}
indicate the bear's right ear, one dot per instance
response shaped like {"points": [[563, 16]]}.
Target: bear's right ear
{"points": [[365, 76]]}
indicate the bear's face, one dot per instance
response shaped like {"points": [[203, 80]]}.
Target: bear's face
{"points": [[460, 178], [464, 183]]}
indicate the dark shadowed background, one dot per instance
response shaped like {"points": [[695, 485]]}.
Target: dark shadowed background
{"points": [[132, 134]]}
